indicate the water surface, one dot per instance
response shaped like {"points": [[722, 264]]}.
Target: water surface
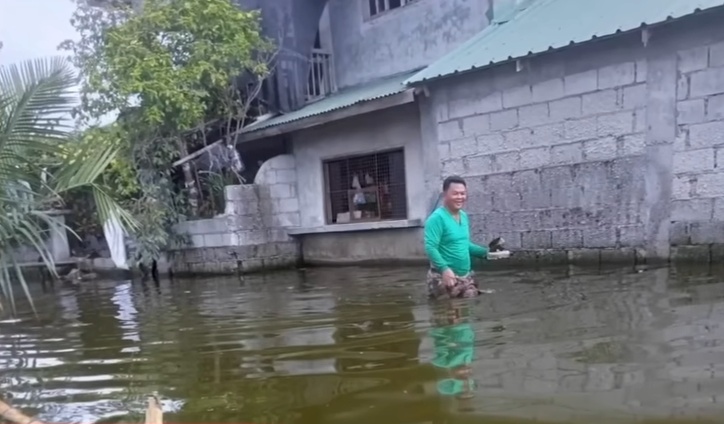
{"points": [[354, 345]]}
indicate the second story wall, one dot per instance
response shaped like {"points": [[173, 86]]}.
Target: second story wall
{"points": [[400, 39]]}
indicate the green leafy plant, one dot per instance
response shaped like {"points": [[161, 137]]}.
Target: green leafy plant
{"points": [[40, 162]]}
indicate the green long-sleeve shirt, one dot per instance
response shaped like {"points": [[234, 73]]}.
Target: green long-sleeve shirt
{"points": [[447, 242]]}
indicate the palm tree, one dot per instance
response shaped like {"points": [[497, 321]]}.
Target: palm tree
{"points": [[40, 161]]}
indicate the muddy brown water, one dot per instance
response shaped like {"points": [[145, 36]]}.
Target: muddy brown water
{"points": [[353, 345]]}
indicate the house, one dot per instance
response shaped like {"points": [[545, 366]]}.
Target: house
{"points": [[587, 130]]}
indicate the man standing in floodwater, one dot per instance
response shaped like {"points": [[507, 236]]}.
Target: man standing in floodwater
{"points": [[448, 245]]}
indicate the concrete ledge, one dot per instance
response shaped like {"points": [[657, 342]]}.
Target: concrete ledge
{"points": [[361, 226]]}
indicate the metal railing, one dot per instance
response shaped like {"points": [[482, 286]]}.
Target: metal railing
{"points": [[321, 81]]}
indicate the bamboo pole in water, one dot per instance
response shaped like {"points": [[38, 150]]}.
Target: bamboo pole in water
{"points": [[154, 413], [13, 415]]}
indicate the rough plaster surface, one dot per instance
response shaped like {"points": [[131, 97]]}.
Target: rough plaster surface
{"points": [[400, 40]]}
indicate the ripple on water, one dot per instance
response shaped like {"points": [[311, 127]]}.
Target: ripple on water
{"points": [[349, 345]]}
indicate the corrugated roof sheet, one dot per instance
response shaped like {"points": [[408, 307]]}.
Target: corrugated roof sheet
{"points": [[553, 24], [340, 100]]}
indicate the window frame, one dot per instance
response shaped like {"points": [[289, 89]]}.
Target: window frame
{"points": [[327, 192], [368, 15]]}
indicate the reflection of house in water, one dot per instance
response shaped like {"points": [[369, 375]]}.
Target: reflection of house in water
{"points": [[636, 350]]}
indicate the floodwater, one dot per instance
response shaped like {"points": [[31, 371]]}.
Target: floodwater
{"points": [[353, 345]]}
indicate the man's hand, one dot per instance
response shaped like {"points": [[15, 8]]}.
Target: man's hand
{"points": [[448, 277]]}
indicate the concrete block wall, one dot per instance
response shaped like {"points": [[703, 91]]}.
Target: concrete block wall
{"points": [[552, 163], [697, 213], [277, 182], [606, 151], [251, 234]]}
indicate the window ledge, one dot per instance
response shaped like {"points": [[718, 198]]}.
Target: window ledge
{"points": [[360, 226]]}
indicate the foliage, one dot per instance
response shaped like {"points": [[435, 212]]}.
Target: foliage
{"points": [[170, 68], [39, 162]]}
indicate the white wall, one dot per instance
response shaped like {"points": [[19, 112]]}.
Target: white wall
{"points": [[365, 134]]}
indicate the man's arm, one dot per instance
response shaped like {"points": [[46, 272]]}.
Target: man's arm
{"points": [[433, 236], [478, 251]]}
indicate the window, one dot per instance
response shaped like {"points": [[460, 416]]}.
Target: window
{"points": [[366, 188], [380, 6]]}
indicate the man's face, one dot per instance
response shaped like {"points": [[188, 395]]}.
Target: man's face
{"points": [[455, 196]]}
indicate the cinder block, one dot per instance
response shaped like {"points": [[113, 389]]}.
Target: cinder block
{"points": [[709, 134], [443, 151], [567, 153], [692, 209], [286, 176], [536, 157], [615, 124], [453, 167], [450, 130], [463, 147], [504, 120], [288, 205], [581, 129], [715, 107], [532, 115], [682, 87], [479, 165], [631, 235], [584, 256], [548, 90], [616, 75], [706, 82], [600, 102], [694, 161], [718, 214], [281, 191], [632, 145], [564, 109], [507, 162], [521, 139], [640, 120], [690, 111], [529, 220], [567, 239], [491, 143], [475, 106], [517, 96], [634, 96], [536, 240], [641, 70], [550, 134], [716, 55], [693, 59], [710, 185], [604, 148], [476, 125], [682, 187], [679, 233], [283, 162], [580, 83]]}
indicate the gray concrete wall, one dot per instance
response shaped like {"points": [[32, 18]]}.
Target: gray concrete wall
{"points": [[397, 245], [365, 134], [251, 235], [400, 40], [605, 148]]}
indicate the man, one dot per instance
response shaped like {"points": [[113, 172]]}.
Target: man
{"points": [[448, 245]]}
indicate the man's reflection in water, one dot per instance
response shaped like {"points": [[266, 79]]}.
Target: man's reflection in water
{"points": [[454, 343]]}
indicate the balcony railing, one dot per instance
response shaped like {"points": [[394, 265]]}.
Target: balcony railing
{"points": [[320, 82]]}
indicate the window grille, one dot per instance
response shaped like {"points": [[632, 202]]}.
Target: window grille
{"points": [[366, 188]]}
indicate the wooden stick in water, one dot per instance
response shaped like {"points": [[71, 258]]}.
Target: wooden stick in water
{"points": [[13, 415], [154, 413]]}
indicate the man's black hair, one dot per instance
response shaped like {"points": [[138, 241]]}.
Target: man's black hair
{"points": [[453, 179]]}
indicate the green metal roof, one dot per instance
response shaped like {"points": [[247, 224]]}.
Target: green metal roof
{"points": [[553, 24], [339, 100]]}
